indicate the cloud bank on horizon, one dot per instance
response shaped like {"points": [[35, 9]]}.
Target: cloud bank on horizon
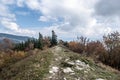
{"points": [[69, 18]]}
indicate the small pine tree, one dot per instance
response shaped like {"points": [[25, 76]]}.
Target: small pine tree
{"points": [[40, 41], [54, 38]]}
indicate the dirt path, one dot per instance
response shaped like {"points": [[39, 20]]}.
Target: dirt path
{"points": [[54, 71], [61, 66]]}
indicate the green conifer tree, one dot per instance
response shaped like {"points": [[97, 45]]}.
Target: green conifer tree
{"points": [[40, 41], [54, 39]]}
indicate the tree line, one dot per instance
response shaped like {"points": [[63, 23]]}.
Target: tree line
{"points": [[40, 43]]}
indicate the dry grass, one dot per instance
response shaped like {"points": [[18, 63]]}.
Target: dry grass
{"points": [[33, 67]]}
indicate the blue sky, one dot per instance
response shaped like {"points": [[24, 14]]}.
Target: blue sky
{"points": [[69, 18]]}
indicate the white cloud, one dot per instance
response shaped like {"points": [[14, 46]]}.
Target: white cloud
{"points": [[4, 12], [33, 4], [8, 2], [108, 8], [79, 17], [8, 19], [20, 3], [43, 18], [10, 25], [47, 18]]}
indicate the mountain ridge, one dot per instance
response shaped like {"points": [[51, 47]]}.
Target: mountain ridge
{"points": [[57, 63], [14, 38]]}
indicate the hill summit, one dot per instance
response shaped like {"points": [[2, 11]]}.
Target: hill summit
{"points": [[58, 63]]}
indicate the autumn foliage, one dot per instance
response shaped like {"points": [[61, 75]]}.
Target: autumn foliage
{"points": [[112, 45], [106, 51]]}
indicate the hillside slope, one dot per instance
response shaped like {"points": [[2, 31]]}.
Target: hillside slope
{"points": [[57, 63]]}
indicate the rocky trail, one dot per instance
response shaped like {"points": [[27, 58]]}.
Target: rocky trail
{"points": [[67, 65]]}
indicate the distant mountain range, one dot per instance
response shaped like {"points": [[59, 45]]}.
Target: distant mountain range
{"points": [[14, 38]]}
